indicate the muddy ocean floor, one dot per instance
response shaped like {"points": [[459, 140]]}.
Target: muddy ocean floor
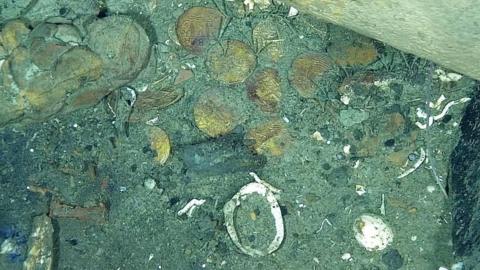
{"points": [[330, 118]]}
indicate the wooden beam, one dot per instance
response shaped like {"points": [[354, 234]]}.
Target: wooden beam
{"points": [[444, 31]]}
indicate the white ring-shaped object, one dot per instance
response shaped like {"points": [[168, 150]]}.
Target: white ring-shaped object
{"points": [[229, 212]]}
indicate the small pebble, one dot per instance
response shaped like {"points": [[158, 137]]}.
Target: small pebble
{"points": [[412, 156], [326, 166], [389, 143], [447, 118]]}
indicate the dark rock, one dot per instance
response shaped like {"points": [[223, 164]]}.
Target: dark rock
{"points": [[464, 183], [392, 259], [389, 143], [220, 156]]}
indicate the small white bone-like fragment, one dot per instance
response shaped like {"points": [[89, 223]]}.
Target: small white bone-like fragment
{"points": [[292, 12], [190, 206]]}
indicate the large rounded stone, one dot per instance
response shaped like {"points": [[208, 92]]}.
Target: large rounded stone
{"points": [[122, 44]]}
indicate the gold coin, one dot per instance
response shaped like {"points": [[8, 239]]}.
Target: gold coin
{"points": [[231, 62], [197, 26], [160, 143], [269, 138], [213, 116], [306, 71], [360, 52], [264, 88], [267, 39]]}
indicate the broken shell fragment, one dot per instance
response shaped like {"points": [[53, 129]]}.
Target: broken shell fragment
{"points": [[213, 116], [197, 26], [372, 232], [160, 143], [254, 188], [232, 62], [306, 72]]}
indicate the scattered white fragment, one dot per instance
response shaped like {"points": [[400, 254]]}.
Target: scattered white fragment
{"points": [[431, 188], [258, 180], [458, 266], [263, 189], [149, 184], [8, 245], [318, 136], [413, 238], [142, 88], [357, 164], [286, 120], [347, 257], [439, 116], [249, 4], [153, 121], [450, 104], [360, 190], [346, 149], [383, 84], [190, 206], [345, 99], [292, 12], [424, 126], [133, 95], [421, 113], [442, 268], [372, 232], [437, 103], [190, 65], [447, 77], [382, 206], [417, 164], [324, 221]]}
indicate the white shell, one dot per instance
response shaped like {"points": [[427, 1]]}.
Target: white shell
{"points": [[265, 190], [372, 232]]}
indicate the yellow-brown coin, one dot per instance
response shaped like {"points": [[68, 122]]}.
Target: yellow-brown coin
{"points": [[231, 62], [267, 39], [197, 27], [264, 88], [307, 70], [13, 34], [213, 116], [269, 138], [356, 53], [160, 143]]}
